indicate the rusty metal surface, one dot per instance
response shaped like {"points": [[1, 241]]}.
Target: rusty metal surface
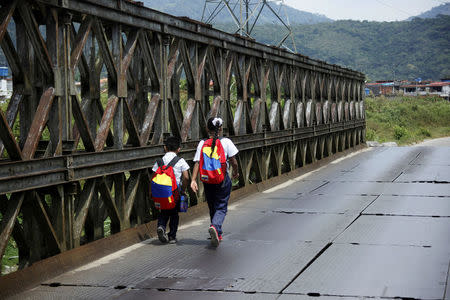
{"points": [[10, 209], [105, 124], [5, 17], [8, 139], [149, 119], [80, 41], [38, 124]]}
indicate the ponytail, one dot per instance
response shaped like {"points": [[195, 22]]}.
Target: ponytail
{"points": [[216, 136], [214, 124]]}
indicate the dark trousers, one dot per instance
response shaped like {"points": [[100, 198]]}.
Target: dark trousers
{"points": [[172, 216], [217, 196]]}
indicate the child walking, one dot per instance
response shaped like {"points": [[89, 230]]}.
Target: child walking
{"points": [[180, 172], [211, 161]]}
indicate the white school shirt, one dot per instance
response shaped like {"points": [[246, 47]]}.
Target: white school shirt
{"points": [[228, 147], [179, 167]]}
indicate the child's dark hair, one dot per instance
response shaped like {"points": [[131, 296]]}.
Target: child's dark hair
{"points": [[172, 143], [214, 125]]}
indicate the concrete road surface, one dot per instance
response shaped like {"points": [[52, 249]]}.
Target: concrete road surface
{"points": [[375, 225], [442, 142]]}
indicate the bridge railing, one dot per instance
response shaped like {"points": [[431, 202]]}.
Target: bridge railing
{"points": [[98, 85]]}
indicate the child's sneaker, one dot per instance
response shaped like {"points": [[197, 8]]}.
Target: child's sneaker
{"points": [[214, 236], [162, 236], [173, 240], [220, 238]]}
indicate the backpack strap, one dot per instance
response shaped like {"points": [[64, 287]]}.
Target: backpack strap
{"points": [[173, 162], [160, 162]]}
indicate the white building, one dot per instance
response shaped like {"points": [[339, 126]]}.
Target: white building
{"points": [[441, 89], [5, 88]]}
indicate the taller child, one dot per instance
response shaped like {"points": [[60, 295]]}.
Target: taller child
{"points": [[218, 192]]}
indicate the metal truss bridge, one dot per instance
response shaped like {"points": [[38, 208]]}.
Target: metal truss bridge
{"points": [[98, 85]]}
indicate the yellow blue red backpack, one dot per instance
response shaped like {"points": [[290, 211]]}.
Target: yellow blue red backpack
{"points": [[213, 165], [165, 192]]}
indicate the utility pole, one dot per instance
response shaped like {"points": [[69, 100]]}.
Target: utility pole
{"points": [[246, 15]]}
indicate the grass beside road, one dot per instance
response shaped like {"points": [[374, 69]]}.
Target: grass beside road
{"points": [[406, 120], [10, 259]]}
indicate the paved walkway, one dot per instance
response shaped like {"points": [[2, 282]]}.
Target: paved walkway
{"points": [[376, 224]]}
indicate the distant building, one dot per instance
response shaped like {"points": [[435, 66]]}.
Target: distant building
{"points": [[415, 88], [5, 83], [382, 87], [441, 89]]}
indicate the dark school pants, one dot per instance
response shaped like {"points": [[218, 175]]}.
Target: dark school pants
{"points": [[172, 216], [217, 196]]}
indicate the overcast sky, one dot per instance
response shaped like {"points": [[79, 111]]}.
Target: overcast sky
{"points": [[371, 10]]}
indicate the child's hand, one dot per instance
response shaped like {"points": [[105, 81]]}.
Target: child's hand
{"points": [[194, 186]]}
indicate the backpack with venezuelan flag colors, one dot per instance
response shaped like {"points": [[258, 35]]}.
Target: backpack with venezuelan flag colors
{"points": [[165, 192], [213, 166]]}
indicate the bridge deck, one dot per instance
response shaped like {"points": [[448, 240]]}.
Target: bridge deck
{"points": [[376, 225]]}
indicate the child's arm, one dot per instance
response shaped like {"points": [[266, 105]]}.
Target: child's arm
{"points": [[194, 185], [184, 181], [234, 165]]}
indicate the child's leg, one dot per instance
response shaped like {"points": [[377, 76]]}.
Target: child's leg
{"points": [[210, 195], [173, 223], [163, 218], [222, 196], [161, 229]]}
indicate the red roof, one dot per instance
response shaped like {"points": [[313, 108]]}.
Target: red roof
{"points": [[413, 85], [426, 85], [438, 84]]}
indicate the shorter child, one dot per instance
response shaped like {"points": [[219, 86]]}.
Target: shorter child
{"points": [[172, 147]]}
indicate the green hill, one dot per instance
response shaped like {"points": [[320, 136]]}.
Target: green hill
{"points": [[381, 50]]}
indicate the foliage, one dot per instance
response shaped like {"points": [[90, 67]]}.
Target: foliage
{"points": [[407, 120], [11, 258], [381, 50]]}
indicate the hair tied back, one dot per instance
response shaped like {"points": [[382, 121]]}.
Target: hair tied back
{"points": [[217, 122]]}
